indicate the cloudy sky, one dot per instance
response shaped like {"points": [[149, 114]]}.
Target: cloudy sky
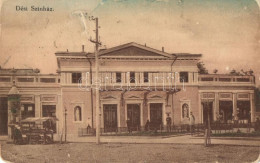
{"points": [[226, 32]]}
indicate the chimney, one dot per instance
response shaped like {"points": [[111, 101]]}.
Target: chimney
{"points": [[162, 49], [82, 48]]}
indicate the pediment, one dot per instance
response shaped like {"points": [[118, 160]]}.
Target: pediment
{"points": [[133, 50], [109, 97], [155, 96], [133, 97]]}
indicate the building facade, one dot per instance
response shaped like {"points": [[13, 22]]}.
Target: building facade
{"points": [[136, 83]]}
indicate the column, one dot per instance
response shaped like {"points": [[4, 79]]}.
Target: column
{"points": [[142, 115], [252, 107], [9, 119], [195, 77], [164, 114], [118, 115], [102, 115], [216, 112], [177, 77], [59, 112], [37, 102], [190, 76], [200, 110], [235, 105]]}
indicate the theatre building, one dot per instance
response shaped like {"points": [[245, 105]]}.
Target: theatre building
{"points": [[136, 83]]}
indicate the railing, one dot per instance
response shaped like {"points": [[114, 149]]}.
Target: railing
{"points": [[36, 79], [215, 78], [175, 129]]}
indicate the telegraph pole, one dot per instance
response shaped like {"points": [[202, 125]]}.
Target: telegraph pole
{"points": [[97, 43], [65, 114]]}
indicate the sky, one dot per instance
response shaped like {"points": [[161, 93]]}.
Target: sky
{"points": [[225, 32]]}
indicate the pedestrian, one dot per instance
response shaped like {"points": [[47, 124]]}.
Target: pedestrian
{"points": [[169, 122], [147, 125], [192, 123], [129, 126], [88, 129]]}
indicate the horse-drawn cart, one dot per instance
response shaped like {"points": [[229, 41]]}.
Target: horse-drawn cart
{"points": [[35, 131]]}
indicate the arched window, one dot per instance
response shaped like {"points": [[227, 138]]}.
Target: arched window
{"points": [[77, 113], [185, 110]]}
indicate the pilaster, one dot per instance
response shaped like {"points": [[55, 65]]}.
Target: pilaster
{"points": [[37, 106], [235, 105]]}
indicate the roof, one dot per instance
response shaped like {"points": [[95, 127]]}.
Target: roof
{"points": [[19, 71], [133, 44], [107, 53], [78, 54], [187, 55]]}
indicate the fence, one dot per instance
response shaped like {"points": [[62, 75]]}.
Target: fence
{"points": [[175, 129]]}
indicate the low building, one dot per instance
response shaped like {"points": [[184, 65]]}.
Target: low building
{"points": [[137, 83]]}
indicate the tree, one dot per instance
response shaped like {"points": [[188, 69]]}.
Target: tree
{"points": [[215, 71], [241, 72], [250, 72], [201, 67], [234, 72]]}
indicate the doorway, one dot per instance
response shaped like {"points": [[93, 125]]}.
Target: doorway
{"points": [[110, 117], [3, 116], [225, 111], [207, 112], [155, 115], [244, 110], [133, 114]]}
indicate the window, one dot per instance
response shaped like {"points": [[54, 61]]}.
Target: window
{"points": [[77, 113], [132, 77], [146, 78], [27, 110], [76, 77], [50, 111], [184, 77], [118, 77]]}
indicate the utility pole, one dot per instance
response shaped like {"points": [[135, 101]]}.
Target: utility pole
{"points": [[65, 114], [97, 43]]}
